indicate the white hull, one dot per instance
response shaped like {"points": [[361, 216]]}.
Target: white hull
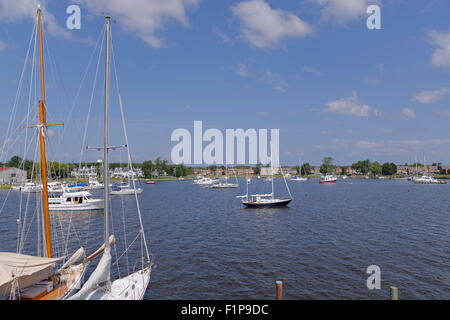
{"points": [[126, 192], [225, 185], [95, 204], [131, 287]]}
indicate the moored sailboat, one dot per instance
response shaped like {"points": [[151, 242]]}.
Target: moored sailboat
{"points": [[99, 286], [266, 200]]}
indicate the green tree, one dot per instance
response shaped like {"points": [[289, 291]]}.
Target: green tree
{"points": [[375, 168], [361, 166], [147, 168], [388, 169], [15, 162], [258, 168], [327, 165], [306, 169]]}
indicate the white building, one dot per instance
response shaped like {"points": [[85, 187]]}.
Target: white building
{"points": [[84, 172], [125, 173], [10, 175]]}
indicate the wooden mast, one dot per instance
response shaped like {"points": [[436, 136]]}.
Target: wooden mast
{"points": [[43, 158]]}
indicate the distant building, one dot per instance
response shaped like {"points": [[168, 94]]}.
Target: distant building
{"points": [[125, 173], [10, 175], [84, 172], [268, 171]]}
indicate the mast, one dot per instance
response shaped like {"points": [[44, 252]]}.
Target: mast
{"points": [[106, 131], [43, 158], [246, 182], [271, 166]]}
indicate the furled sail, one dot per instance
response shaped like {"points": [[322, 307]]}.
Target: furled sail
{"points": [[23, 270], [100, 275]]}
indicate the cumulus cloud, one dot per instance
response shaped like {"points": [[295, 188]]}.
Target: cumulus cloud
{"points": [[3, 45], [349, 106], [409, 113], [142, 17], [11, 11], [264, 27], [441, 55], [341, 11], [428, 97]]}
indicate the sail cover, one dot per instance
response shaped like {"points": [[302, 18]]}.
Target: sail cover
{"points": [[23, 270]]}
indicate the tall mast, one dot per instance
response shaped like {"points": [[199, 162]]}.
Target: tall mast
{"points": [[106, 131], [43, 158], [271, 166]]}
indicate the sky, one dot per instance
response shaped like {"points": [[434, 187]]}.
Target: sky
{"points": [[310, 68]]}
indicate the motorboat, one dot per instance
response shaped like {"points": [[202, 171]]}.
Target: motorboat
{"points": [[427, 180], [74, 201], [328, 179]]}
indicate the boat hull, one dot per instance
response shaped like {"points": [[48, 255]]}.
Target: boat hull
{"points": [[97, 205], [252, 204]]}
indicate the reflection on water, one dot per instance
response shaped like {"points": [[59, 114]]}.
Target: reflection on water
{"points": [[207, 245]]}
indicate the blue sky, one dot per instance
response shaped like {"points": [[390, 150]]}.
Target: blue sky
{"points": [[310, 68]]}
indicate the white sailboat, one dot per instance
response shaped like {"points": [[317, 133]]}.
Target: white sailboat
{"points": [[299, 177], [100, 286]]}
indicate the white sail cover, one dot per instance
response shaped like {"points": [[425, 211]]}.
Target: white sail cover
{"points": [[100, 275], [24, 270]]}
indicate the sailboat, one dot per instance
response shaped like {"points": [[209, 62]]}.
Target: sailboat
{"points": [[30, 277], [99, 286], [266, 200], [299, 178]]}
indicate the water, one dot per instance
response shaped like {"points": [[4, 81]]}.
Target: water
{"points": [[208, 246]]}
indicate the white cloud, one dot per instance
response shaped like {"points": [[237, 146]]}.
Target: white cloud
{"points": [[16, 10], [275, 80], [441, 55], [427, 97], [242, 70], [3, 45], [444, 113], [312, 70], [341, 11], [143, 17], [349, 106], [409, 113], [264, 27]]}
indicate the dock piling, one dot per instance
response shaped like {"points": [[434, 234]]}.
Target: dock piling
{"points": [[394, 293], [279, 287]]}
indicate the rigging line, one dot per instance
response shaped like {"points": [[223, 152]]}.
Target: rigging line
{"points": [[112, 229], [99, 39], [15, 104], [22, 237], [128, 148], [129, 246], [91, 100], [284, 178]]}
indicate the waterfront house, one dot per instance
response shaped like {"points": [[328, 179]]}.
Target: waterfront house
{"points": [[9, 175]]}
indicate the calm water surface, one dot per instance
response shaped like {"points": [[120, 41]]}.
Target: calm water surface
{"points": [[208, 246]]}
